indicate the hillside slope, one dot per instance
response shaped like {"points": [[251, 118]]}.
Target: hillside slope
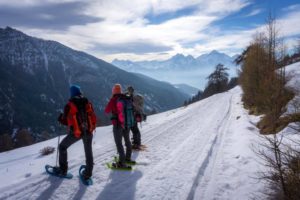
{"points": [[35, 76], [197, 152]]}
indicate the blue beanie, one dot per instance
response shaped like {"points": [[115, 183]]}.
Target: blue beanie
{"points": [[75, 90]]}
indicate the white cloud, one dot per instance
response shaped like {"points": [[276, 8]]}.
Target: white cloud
{"points": [[164, 6], [224, 6], [233, 41], [26, 3], [289, 24], [125, 22], [173, 33], [254, 12], [292, 7]]}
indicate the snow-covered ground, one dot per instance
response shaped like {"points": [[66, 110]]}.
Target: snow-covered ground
{"points": [[290, 134], [293, 83], [202, 151]]}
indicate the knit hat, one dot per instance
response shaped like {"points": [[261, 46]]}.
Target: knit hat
{"points": [[117, 89], [75, 90]]}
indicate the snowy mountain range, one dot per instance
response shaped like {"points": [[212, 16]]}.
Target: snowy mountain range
{"points": [[179, 68], [36, 75], [177, 62]]}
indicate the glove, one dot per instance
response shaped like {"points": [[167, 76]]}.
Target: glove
{"points": [[61, 119], [138, 117]]}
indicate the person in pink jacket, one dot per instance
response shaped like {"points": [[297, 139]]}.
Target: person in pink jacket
{"points": [[116, 108]]}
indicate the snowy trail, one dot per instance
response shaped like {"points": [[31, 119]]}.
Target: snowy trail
{"points": [[191, 154]]}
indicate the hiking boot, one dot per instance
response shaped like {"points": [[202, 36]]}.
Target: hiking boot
{"points": [[130, 162], [85, 175], [135, 146], [120, 165], [59, 171]]}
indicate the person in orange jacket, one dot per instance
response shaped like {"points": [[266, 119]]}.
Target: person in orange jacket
{"points": [[79, 116]]}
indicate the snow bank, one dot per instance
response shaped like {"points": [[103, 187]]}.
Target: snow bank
{"points": [[293, 83]]}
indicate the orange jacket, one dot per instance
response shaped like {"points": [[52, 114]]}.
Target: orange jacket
{"points": [[72, 118]]}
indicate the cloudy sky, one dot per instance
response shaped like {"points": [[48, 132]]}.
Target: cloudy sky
{"points": [[150, 29]]}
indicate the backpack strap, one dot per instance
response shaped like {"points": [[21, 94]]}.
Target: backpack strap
{"points": [[72, 119], [117, 116], [91, 117]]}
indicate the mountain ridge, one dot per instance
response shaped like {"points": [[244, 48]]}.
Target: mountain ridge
{"points": [[36, 75], [180, 68], [197, 61]]}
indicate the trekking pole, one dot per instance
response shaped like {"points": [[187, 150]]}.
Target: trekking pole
{"points": [[57, 148]]}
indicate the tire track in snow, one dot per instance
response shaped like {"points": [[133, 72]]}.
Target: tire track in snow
{"points": [[208, 164], [190, 150]]}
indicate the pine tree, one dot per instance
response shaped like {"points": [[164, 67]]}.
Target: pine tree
{"points": [[217, 81]]}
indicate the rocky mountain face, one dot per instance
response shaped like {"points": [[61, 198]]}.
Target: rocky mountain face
{"points": [[36, 75]]}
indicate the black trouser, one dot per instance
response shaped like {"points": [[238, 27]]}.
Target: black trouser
{"points": [[119, 133], [87, 143], [136, 134]]}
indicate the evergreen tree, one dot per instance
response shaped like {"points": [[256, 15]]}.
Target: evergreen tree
{"points": [[232, 83], [217, 81]]}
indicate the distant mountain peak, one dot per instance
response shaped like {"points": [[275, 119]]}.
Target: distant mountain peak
{"points": [[11, 32], [214, 52], [182, 58], [217, 53], [179, 55], [8, 28]]}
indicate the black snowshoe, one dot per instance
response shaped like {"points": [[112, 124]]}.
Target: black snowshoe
{"points": [[56, 171]]}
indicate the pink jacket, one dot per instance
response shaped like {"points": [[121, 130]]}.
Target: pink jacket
{"points": [[115, 107]]}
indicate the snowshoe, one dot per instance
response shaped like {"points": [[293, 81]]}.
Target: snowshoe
{"points": [[128, 162], [118, 166], [84, 180], [56, 171]]}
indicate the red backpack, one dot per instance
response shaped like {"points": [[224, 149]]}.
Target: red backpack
{"points": [[81, 121]]}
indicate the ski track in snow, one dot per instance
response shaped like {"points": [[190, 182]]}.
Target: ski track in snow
{"points": [[189, 150]]}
